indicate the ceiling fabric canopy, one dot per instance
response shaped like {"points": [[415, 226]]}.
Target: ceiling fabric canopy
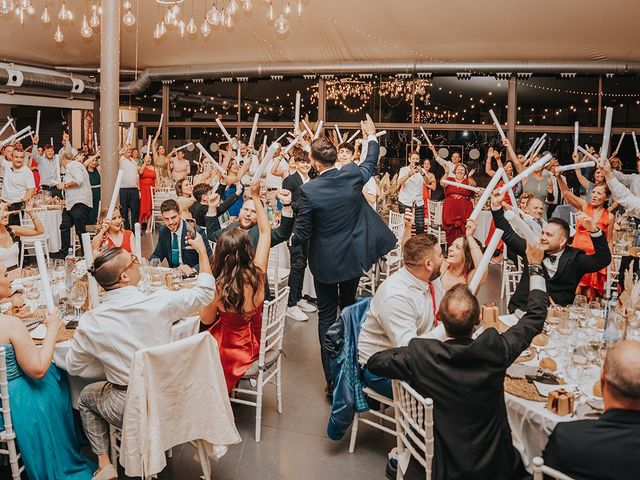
{"points": [[340, 31]]}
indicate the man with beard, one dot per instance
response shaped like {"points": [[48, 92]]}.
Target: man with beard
{"points": [[404, 307]]}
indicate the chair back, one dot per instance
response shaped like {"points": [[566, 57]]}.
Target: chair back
{"points": [[396, 224], [414, 424], [273, 322], [435, 212], [25, 220], [540, 470]]}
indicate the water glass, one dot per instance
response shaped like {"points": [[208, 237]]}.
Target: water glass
{"points": [[77, 296]]}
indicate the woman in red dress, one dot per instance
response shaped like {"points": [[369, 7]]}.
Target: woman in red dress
{"points": [[236, 311], [112, 234], [592, 284], [148, 174], [428, 187], [457, 204]]}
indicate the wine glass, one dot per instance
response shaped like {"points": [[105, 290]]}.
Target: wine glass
{"points": [[154, 263], [28, 278], [77, 296]]}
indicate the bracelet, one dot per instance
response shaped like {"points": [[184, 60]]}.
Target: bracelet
{"points": [[535, 269], [286, 204]]}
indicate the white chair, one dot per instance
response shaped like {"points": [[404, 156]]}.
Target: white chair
{"points": [[396, 224], [380, 414], [368, 281], [28, 242], [278, 276], [159, 195], [8, 436], [414, 427], [540, 470], [434, 225], [511, 274], [613, 274], [268, 367]]}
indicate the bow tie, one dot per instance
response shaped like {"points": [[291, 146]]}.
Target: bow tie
{"points": [[551, 258]]}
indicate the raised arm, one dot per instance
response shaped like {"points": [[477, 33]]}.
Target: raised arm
{"points": [[37, 229], [512, 156], [369, 165], [514, 242], [581, 178], [476, 251], [261, 258], [602, 254], [568, 195], [487, 164]]}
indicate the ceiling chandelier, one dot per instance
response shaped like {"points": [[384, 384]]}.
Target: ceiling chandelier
{"points": [[398, 88]]}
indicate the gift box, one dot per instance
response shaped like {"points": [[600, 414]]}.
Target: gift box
{"points": [[489, 314], [560, 402]]}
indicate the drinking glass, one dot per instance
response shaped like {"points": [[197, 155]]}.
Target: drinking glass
{"points": [[77, 297], [154, 263], [555, 315], [579, 362]]}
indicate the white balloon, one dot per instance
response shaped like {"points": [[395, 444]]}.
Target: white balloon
{"points": [[443, 152], [474, 154], [214, 147], [191, 147], [382, 152]]}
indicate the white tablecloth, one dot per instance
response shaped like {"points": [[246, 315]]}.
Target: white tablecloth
{"points": [[51, 220], [182, 329]]}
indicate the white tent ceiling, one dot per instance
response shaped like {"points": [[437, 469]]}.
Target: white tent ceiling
{"points": [[331, 31]]}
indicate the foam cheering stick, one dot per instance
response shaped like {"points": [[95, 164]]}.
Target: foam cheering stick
{"points": [[525, 173], [38, 123], [254, 130], [484, 262], [114, 195], [160, 124], [130, 135], [575, 166], [619, 143], [576, 127], [498, 126], [607, 133], [461, 185], [224, 131], [296, 121], [318, 129], [521, 226], [265, 162], [587, 154], [486, 194], [44, 276], [425, 136], [635, 142], [206, 154], [338, 132]]}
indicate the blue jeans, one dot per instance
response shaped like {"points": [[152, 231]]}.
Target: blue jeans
{"points": [[381, 385]]}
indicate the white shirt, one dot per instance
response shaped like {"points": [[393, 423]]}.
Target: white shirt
{"points": [[16, 183], [535, 224], [274, 181], [446, 164], [372, 189], [75, 172], [129, 169], [401, 309], [624, 197], [49, 169], [128, 320], [631, 181], [246, 179], [411, 190]]}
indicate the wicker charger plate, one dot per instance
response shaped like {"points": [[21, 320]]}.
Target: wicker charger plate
{"points": [[519, 387], [64, 334]]}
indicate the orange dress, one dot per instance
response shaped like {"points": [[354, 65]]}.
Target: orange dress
{"points": [[456, 209], [126, 242], [238, 337], [582, 240], [147, 180]]}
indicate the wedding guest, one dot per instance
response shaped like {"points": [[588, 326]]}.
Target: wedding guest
{"points": [[411, 179], [205, 198], [345, 154], [40, 403], [179, 166], [236, 313], [91, 164], [111, 233], [78, 201], [126, 321], [248, 159], [448, 165], [48, 167], [172, 240], [537, 183], [534, 215], [185, 199], [463, 257], [403, 307], [605, 448], [429, 186], [147, 175], [465, 379], [457, 205], [18, 185], [9, 235], [595, 178], [160, 160], [129, 193]]}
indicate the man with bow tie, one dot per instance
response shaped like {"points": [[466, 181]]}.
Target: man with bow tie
{"points": [[563, 266]]}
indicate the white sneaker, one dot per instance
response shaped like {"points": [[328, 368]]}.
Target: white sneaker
{"points": [[306, 306], [296, 314]]}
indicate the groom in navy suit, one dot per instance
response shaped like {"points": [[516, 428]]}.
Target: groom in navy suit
{"points": [[346, 236]]}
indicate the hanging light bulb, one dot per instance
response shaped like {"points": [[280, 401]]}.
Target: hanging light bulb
{"points": [[58, 37], [229, 22], [163, 28], [205, 29], [94, 21], [169, 16], [129, 19], [45, 17], [100, 10], [69, 14], [232, 8], [270, 15], [299, 8], [181, 27], [20, 14], [156, 32], [62, 14], [211, 16], [247, 5], [287, 9], [175, 9], [31, 10], [126, 5], [282, 25], [191, 27], [86, 30], [5, 6]]}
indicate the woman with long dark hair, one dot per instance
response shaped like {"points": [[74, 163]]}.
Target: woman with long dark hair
{"points": [[236, 311], [463, 257]]}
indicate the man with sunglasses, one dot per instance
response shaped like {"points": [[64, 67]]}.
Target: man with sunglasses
{"points": [[126, 321]]}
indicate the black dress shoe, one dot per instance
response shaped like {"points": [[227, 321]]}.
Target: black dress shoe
{"points": [[392, 469]]}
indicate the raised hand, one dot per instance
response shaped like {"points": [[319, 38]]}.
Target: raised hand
{"points": [[368, 127], [535, 254], [284, 196], [470, 228], [587, 222], [214, 200]]}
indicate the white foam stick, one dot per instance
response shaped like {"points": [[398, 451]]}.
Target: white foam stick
{"points": [[587, 154], [38, 123], [338, 132], [44, 276], [51, 139], [254, 130], [381, 133], [190, 144], [461, 185], [13, 126], [531, 148], [138, 234], [265, 162], [28, 134], [277, 139], [288, 148], [416, 140], [539, 147], [498, 126], [607, 133], [130, 135], [525, 173], [521, 226], [512, 196], [264, 147], [575, 166], [6, 125], [114, 195], [425, 136], [224, 131], [481, 269], [10, 139], [94, 292], [95, 141], [149, 146], [576, 128], [486, 194], [296, 121], [208, 155], [619, 143], [307, 128], [319, 129], [352, 137], [160, 125], [635, 142]]}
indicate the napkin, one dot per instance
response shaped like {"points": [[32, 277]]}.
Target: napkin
{"points": [[509, 320]]}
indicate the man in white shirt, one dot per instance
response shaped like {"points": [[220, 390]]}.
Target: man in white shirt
{"points": [[535, 216], [273, 183], [404, 307], [448, 165], [125, 322], [246, 156], [78, 201], [49, 166], [410, 182], [19, 184], [129, 193], [631, 181]]}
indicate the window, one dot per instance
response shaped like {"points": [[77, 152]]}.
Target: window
{"points": [[622, 92], [275, 100]]}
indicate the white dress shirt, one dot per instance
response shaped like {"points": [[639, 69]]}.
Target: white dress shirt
{"points": [[75, 172], [624, 197], [401, 309], [535, 224], [274, 181], [411, 190], [16, 183], [447, 164], [129, 320], [631, 181], [372, 189], [129, 169], [49, 169]]}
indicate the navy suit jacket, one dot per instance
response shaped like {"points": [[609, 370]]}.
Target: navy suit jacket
{"points": [[346, 236], [189, 256]]}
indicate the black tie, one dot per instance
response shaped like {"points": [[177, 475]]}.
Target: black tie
{"points": [[552, 258]]}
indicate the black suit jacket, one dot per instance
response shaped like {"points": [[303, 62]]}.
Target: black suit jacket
{"points": [[603, 449], [465, 377], [572, 265], [346, 236], [293, 183], [189, 255], [278, 235]]}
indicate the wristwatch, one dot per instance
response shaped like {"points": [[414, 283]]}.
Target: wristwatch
{"points": [[286, 204], [535, 269]]}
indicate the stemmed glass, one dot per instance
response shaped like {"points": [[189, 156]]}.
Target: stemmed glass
{"points": [[580, 308], [77, 297]]}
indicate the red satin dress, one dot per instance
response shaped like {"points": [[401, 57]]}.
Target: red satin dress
{"points": [[456, 209], [506, 198], [426, 196], [126, 242], [238, 337], [147, 180], [582, 240], [36, 174]]}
